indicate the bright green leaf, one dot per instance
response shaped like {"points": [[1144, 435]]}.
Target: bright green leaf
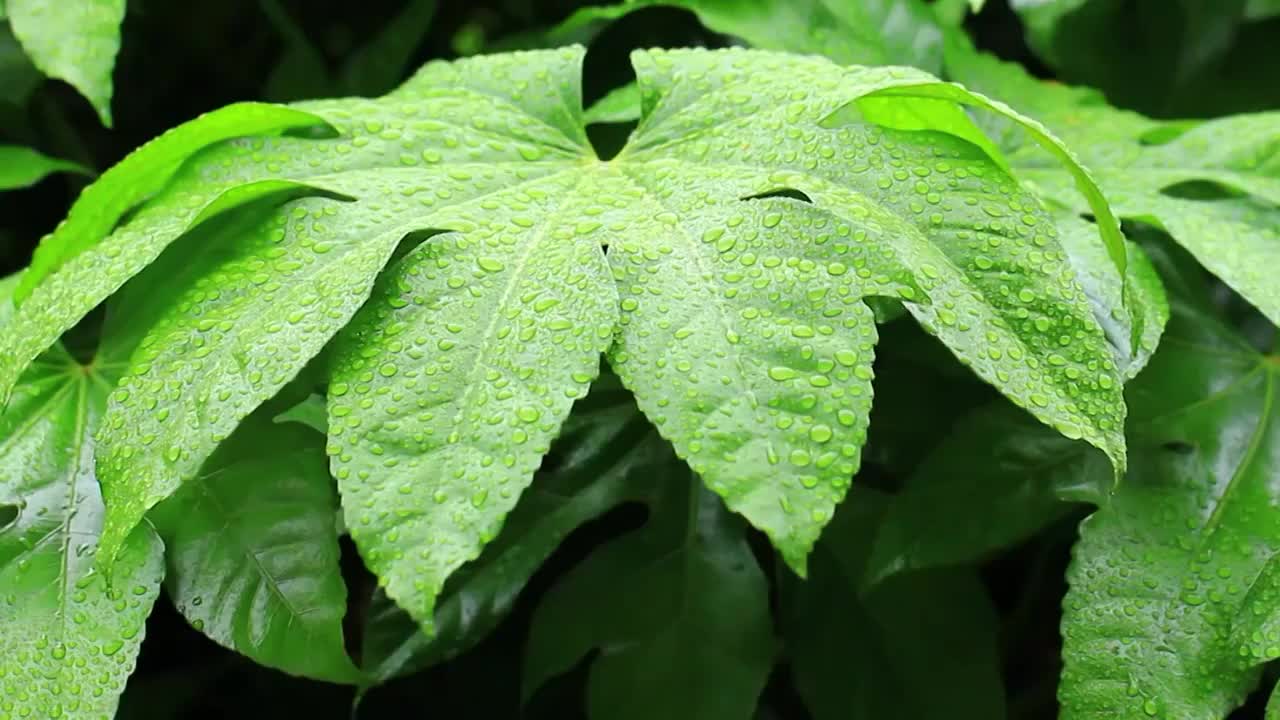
{"points": [[620, 105], [252, 552], [139, 176], [743, 333], [72, 40], [517, 319], [313, 412], [23, 167], [237, 347], [607, 454], [679, 611], [67, 641], [1173, 595]]}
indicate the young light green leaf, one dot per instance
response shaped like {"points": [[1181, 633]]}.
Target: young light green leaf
{"points": [[22, 167], [313, 412], [144, 173], [1173, 595], [1235, 237], [620, 105], [72, 40], [78, 266], [893, 652], [607, 454], [253, 554], [996, 480], [679, 611], [67, 641]]}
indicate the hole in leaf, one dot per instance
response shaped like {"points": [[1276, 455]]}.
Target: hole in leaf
{"points": [[608, 139], [1179, 447], [411, 241], [1167, 133], [322, 131], [785, 192], [8, 515], [1203, 190]]}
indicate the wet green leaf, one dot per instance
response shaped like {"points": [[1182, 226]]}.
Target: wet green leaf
{"points": [[744, 233], [72, 40], [1172, 606], [1213, 185], [67, 641], [607, 454], [252, 551]]}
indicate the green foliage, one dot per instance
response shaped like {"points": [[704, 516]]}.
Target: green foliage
{"points": [[68, 639], [1214, 185], [72, 40], [253, 559], [1174, 576], [889, 650], [23, 167], [678, 609], [1168, 58], [452, 396]]}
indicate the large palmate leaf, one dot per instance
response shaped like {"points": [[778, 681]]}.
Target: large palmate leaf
{"points": [[732, 309], [1149, 170], [1172, 606], [679, 610], [607, 454], [252, 551], [67, 641], [72, 40]]}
